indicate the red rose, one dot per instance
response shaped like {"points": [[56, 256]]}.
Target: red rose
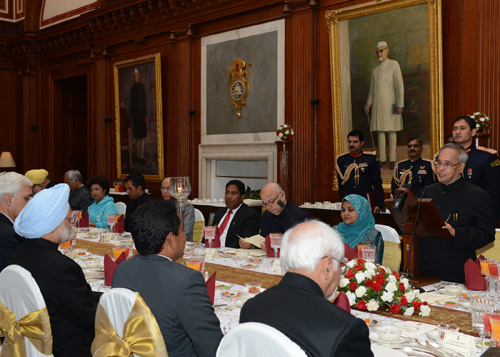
{"points": [[368, 283], [361, 261], [416, 304], [353, 285], [350, 274], [382, 270], [361, 305], [424, 303], [358, 267], [379, 278], [402, 287], [277, 132], [403, 300], [395, 309]]}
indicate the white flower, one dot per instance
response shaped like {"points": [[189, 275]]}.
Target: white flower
{"points": [[343, 282], [391, 287], [370, 273], [482, 119], [372, 305], [360, 291], [478, 126], [409, 311], [281, 135], [406, 282], [351, 297], [351, 263], [410, 295], [425, 310], [370, 265], [360, 276], [287, 132], [392, 279], [387, 296]]}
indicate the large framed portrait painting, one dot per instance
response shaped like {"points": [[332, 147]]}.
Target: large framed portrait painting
{"points": [[138, 117], [386, 76]]}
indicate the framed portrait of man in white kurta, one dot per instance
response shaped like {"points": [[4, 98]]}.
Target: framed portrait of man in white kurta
{"points": [[386, 77]]}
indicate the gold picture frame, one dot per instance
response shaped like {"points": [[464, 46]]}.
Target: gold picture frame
{"points": [[139, 118], [416, 44]]}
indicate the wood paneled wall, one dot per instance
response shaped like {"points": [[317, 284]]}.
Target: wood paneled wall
{"points": [[128, 29]]}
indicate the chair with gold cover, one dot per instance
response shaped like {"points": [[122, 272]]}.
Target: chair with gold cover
{"points": [[24, 320], [125, 327], [392, 247], [199, 225]]}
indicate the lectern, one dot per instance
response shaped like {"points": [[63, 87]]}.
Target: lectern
{"points": [[429, 224]]}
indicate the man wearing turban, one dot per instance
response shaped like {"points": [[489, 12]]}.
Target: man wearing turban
{"points": [[46, 222], [40, 179], [15, 192]]}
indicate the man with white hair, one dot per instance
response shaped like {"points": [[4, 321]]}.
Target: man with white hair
{"points": [[46, 222], [386, 99], [15, 192], [79, 197], [298, 306]]}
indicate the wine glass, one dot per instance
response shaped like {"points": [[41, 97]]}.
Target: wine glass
{"points": [[180, 188], [112, 222], [210, 235], [275, 239]]}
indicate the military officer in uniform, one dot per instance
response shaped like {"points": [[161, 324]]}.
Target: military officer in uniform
{"points": [[483, 167], [415, 173], [359, 172]]}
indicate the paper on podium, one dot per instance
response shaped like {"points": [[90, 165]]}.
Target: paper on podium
{"points": [[256, 240]]}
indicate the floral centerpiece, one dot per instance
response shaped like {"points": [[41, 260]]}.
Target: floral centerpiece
{"points": [[285, 132], [482, 121], [370, 286]]}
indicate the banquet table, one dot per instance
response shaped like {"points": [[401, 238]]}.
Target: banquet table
{"points": [[231, 294]]}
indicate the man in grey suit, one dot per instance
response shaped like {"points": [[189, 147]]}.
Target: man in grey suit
{"points": [[176, 295]]}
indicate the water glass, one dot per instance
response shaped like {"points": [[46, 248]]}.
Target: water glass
{"points": [[210, 235], [481, 303], [366, 252], [275, 240]]}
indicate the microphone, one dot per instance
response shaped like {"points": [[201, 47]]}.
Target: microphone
{"points": [[414, 230], [282, 205], [400, 199]]}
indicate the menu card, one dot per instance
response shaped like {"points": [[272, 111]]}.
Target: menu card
{"points": [[256, 240]]}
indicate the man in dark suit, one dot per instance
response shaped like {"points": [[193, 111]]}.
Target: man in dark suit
{"points": [[298, 306], [176, 294], [46, 222], [135, 184], [237, 219], [79, 197], [15, 192]]}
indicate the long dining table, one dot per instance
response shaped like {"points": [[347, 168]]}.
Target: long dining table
{"points": [[231, 293]]}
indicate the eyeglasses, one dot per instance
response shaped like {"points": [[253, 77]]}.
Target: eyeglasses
{"points": [[380, 51], [72, 219], [265, 204], [341, 262], [446, 165]]}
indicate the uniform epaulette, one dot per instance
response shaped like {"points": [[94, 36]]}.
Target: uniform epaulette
{"points": [[374, 153], [427, 160], [488, 150]]}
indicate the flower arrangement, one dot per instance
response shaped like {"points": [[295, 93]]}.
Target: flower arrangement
{"points": [[370, 286], [482, 121], [285, 132]]}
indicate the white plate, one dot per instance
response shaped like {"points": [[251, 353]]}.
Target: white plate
{"points": [[435, 336], [443, 291], [374, 337], [381, 351]]}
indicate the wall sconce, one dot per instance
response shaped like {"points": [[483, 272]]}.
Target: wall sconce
{"points": [[6, 160], [97, 53], [174, 34]]}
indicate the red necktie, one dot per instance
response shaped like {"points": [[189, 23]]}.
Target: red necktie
{"points": [[223, 225]]}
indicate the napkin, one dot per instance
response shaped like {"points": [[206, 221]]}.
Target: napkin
{"points": [[120, 224], [110, 267], [216, 241], [342, 301], [350, 253], [473, 278], [269, 250], [210, 283], [84, 221]]}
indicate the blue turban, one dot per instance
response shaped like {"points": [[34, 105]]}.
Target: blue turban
{"points": [[43, 213]]}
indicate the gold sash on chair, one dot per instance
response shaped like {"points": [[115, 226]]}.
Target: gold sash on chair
{"points": [[35, 326], [141, 334]]}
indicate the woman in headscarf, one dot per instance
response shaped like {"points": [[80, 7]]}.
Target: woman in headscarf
{"points": [[103, 204], [358, 225]]}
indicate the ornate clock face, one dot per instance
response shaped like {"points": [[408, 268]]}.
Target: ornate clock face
{"points": [[237, 90]]}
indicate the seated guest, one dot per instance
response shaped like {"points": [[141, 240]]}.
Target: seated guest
{"points": [[298, 306], [15, 192], [237, 219], [187, 209], [79, 198], [40, 179], [103, 204], [46, 222], [466, 210], [135, 184], [281, 214], [358, 225], [176, 294]]}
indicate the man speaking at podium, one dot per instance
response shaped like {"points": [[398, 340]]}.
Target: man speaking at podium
{"points": [[466, 211]]}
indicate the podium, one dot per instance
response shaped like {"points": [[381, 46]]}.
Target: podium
{"points": [[429, 224]]}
